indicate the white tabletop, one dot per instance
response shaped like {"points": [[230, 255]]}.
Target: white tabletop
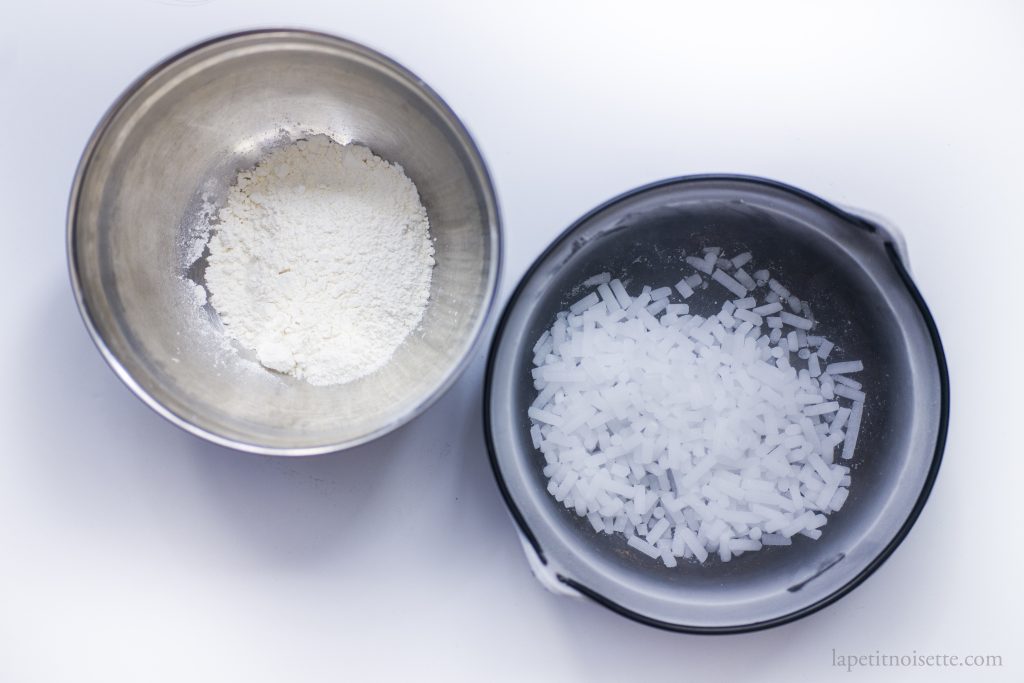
{"points": [[131, 551]]}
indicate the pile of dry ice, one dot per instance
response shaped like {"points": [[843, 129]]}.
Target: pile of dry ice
{"points": [[690, 435]]}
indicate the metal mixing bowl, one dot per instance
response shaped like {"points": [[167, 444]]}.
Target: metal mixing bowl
{"points": [[168, 150], [852, 272]]}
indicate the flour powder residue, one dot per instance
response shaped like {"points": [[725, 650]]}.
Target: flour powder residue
{"points": [[321, 260]]}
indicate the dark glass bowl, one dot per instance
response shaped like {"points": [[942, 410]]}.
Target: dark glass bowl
{"points": [[852, 272]]}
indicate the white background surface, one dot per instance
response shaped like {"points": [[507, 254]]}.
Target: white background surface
{"points": [[130, 551]]}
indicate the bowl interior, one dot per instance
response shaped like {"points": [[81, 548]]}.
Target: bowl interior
{"points": [[843, 272], [168, 154]]}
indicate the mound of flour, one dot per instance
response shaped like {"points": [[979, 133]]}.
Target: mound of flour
{"points": [[321, 261]]}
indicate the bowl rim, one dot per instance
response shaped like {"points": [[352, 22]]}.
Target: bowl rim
{"points": [[891, 248], [480, 174]]}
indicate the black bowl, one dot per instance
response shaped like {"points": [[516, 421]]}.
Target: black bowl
{"points": [[852, 273]]}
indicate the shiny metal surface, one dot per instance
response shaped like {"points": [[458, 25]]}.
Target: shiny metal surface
{"points": [[850, 271], [170, 147]]}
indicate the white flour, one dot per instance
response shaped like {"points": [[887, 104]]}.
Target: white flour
{"points": [[321, 262]]}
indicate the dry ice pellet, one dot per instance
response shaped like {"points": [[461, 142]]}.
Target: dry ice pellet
{"points": [[687, 435]]}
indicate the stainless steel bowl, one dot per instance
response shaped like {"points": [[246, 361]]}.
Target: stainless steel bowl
{"points": [[168, 150], [852, 271]]}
